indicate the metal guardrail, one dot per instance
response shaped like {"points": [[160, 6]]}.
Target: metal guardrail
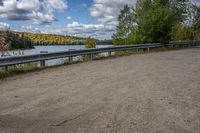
{"points": [[4, 62]]}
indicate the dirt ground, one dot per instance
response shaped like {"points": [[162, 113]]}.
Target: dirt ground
{"points": [[150, 93]]}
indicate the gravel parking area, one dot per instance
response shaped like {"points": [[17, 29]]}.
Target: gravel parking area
{"points": [[148, 93]]}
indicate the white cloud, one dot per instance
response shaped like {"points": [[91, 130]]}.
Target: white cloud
{"points": [[29, 29], [37, 11], [107, 11], [83, 30], [69, 18], [27, 5], [99, 31], [56, 4], [4, 26]]}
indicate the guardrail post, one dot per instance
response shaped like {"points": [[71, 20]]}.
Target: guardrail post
{"points": [[148, 50], [70, 59], [194, 43], [6, 68], [91, 57], [109, 53], [42, 63]]}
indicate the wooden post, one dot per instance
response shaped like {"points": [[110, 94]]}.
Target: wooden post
{"points": [[42, 63]]}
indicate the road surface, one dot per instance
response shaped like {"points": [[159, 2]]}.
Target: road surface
{"points": [[149, 93]]}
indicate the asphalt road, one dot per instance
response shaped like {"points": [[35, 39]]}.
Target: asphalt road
{"points": [[149, 93]]}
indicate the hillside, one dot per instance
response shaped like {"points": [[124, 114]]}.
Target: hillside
{"points": [[11, 40], [50, 39], [22, 40]]}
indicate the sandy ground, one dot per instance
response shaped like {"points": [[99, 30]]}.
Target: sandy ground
{"points": [[150, 93]]}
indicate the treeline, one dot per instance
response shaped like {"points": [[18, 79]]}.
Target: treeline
{"points": [[50, 39], [104, 42], [158, 21], [12, 40], [22, 40]]}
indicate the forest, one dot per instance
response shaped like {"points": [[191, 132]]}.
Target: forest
{"points": [[152, 21], [11, 40], [22, 40], [50, 39]]}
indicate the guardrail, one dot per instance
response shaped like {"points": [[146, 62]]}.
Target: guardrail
{"points": [[5, 62]]}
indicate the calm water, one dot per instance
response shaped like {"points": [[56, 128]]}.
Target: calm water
{"points": [[49, 49]]}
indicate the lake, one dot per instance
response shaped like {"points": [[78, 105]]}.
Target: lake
{"points": [[49, 49]]}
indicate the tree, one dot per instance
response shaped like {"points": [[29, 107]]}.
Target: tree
{"points": [[12, 40], [90, 43], [190, 29], [150, 21], [155, 25], [196, 21], [126, 25], [179, 8]]}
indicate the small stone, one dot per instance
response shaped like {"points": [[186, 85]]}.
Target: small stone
{"points": [[170, 102], [188, 121]]}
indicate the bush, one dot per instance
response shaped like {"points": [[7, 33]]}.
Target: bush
{"points": [[90, 43]]}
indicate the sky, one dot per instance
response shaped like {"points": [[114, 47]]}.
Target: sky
{"points": [[83, 18]]}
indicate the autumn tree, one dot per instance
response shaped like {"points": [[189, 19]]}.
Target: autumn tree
{"points": [[90, 43]]}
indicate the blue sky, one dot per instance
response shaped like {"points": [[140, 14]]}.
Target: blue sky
{"points": [[76, 10], [85, 18]]}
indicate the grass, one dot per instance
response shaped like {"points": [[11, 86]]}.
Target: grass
{"points": [[18, 69], [31, 67], [26, 68]]}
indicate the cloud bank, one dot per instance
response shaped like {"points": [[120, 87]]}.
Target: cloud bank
{"points": [[99, 31], [37, 11], [106, 11]]}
